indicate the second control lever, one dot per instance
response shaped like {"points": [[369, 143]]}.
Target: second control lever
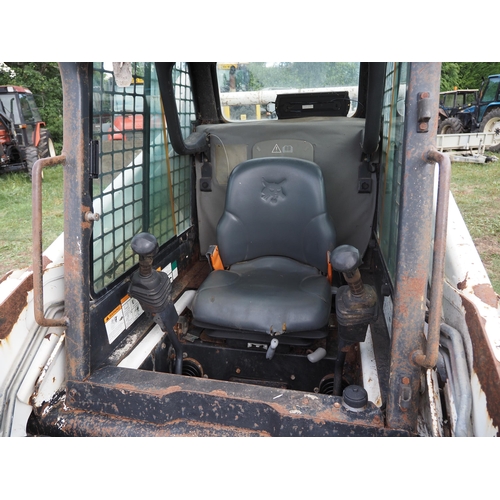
{"points": [[153, 290], [355, 305]]}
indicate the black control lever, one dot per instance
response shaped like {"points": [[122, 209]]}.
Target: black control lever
{"points": [[355, 305], [153, 290], [345, 259]]}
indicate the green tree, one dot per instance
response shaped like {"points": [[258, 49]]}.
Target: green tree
{"points": [[473, 73], [466, 75], [450, 76], [44, 81]]}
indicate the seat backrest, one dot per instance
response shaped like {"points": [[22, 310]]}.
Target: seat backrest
{"points": [[276, 206]]}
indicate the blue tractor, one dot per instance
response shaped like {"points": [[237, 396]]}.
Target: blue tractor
{"points": [[483, 116]]}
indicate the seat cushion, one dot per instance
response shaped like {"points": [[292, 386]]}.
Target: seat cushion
{"points": [[268, 294]]}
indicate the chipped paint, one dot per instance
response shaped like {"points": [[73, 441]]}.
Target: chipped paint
{"points": [[485, 292], [12, 307], [433, 395], [481, 420], [466, 275], [14, 289], [484, 330]]}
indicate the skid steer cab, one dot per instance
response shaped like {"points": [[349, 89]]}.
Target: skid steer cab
{"points": [[23, 136], [225, 271]]}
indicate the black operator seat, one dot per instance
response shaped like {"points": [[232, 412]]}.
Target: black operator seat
{"points": [[273, 239]]}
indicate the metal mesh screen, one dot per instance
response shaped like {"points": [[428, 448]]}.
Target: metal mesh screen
{"points": [[392, 161], [140, 187]]}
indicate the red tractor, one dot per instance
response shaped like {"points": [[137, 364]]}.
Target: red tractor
{"points": [[23, 136]]}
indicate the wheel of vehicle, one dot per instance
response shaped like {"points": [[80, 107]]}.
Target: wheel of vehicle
{"points": [[494, 149], [491, 123], [46, 146], [451, 126], [31, 156]]}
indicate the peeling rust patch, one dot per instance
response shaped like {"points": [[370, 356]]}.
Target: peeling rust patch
{"points": [[220, 393], [45, 262], [462, 285], [485, 364], [12, 307], [123, 388], [64, 422], [486, 293]]}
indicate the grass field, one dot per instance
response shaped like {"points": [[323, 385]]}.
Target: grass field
{"points": [[15, 216], [476, 188]]}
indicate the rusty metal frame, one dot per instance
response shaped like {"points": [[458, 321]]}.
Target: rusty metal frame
{"points": [[77, 88], [121, 402], [414, 244]]}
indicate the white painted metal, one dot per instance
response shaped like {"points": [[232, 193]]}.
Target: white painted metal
{"points": [[369, 368], [26, 350], [477, 140], [464, 273], [142, 350]]}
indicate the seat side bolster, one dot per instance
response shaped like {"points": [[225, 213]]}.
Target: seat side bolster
{"points": [[318, 238], [232, 239]]}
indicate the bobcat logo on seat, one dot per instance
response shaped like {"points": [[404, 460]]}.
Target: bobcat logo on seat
{"points": [[272, 191]]}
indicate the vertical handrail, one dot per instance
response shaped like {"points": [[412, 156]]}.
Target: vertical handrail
{"points": [[430, 357], [37, 258]]}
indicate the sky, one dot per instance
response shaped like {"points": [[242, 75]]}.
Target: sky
{"points": [[320, 31]]}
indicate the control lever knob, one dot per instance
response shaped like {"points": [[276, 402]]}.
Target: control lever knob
{"points": [[346, 259], [146, 246]]}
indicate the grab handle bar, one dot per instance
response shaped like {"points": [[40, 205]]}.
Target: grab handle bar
{"points": [[430, 357], [36, 210]]}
